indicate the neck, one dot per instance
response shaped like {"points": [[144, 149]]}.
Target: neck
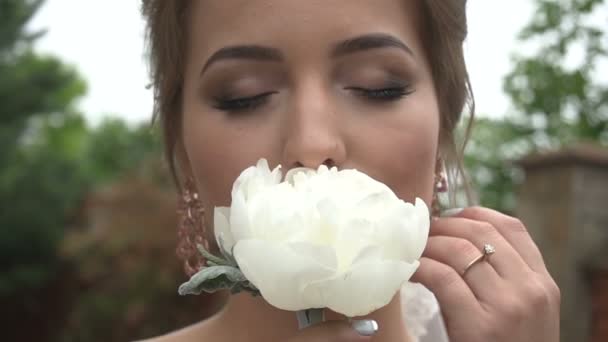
{"points": [[253, 319]]}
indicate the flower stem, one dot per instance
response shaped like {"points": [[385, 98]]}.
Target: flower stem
{"points": [[309, 317]]}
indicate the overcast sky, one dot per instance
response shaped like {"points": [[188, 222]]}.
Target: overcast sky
{"points": [[104, 41]]}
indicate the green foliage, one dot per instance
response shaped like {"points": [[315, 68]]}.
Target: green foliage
{"points": [[58, 160], [563, 98], [49, 160], [123, 252], [221, 273], [118, 148], [557, 100], [37, 184], [14, 14], [490, 150]]}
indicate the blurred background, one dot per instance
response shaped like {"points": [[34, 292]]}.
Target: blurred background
{"points": [[87, 210]]}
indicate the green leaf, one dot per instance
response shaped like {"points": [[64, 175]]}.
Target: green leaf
{"points": [[212, 279], [228, 255], [213, 260]]}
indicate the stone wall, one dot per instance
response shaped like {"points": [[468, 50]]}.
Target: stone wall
{"points": [[599, 306], [564, 203]]}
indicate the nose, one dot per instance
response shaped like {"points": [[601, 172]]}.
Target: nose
{"points": [[313, 134]]}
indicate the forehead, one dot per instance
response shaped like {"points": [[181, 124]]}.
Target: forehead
{"points": [[299, 28]]}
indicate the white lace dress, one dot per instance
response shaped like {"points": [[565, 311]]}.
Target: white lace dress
{"points": [[422, 316]]}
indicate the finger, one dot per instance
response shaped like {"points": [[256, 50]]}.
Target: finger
{"points": [[458, 254], [454, 295], [339, 331], [513, 230], [507, 261]]}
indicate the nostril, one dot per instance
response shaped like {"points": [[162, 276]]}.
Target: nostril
{"points": [[329, 163]]}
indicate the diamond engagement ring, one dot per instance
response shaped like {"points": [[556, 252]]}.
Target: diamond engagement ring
{"points": [[487, 251]]}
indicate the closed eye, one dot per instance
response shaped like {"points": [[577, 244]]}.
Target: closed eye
{"points": [[243, 103], [383, 94]]}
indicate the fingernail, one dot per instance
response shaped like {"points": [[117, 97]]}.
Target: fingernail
{"points": [[365, 327], [451, 212]]}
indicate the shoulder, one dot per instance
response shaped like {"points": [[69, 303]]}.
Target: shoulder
{"points": [[207, 330]]}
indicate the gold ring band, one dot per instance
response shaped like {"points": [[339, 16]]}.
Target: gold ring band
{"points": [[473, 262], [487, 251]]}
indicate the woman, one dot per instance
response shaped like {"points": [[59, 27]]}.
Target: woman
{"points": [[374, 85]]}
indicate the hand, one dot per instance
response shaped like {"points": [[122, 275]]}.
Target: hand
{"points": [[335, 331], [507, 296]]}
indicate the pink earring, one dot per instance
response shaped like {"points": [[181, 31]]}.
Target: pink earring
{"points": [[191, 229], [440, 186]]}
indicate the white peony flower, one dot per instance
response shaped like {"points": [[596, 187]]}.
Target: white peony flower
{"points": [[324, 238]]}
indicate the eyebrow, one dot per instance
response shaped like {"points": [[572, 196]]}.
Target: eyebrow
{"points": [[341, 49], [369, 42], [255, 52]]}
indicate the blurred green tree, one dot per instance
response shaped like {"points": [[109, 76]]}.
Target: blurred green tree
{"points": [[38, 184], [114, 148], [557, 88], [556, 92], [49, 160], [492, 143]]}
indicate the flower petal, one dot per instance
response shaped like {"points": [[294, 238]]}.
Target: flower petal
{"points": [[239, 217], [323, 255], [298, 175], [364, 289], [221, 227], [278, 272], [422, 226], [403, 231], [370, 253]]}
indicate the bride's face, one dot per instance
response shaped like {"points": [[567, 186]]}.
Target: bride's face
{"points": [[304, 83]]}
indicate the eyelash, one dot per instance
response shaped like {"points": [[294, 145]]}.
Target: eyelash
{"points": [[384, 94], [250, 103], [242, 104]]}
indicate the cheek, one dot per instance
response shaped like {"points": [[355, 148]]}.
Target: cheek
{"points": [[403, 151], [211, 160], [219, 149], [418, 154], [211, 144]]}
